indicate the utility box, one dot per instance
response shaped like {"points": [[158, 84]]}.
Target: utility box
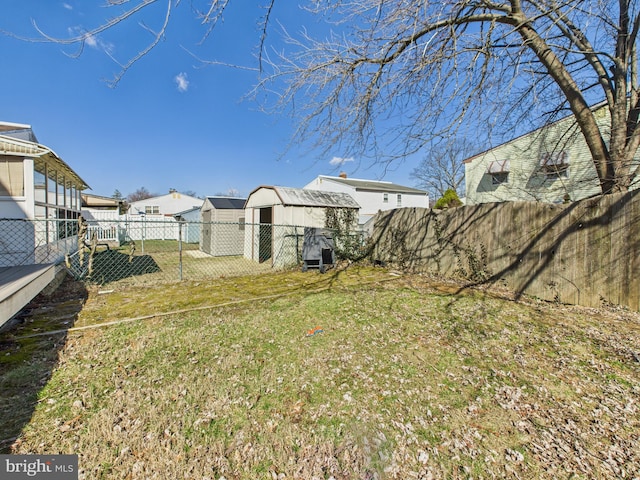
{"points": [[318, 249]]}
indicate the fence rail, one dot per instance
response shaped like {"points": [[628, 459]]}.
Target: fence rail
{"points": [[143, 251]]}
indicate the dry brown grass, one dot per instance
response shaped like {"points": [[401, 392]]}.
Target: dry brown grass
{"points": [[408, 379]]}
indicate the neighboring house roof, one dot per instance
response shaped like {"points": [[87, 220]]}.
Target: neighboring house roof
{"points": [[12, 145], [227, 203], [18, 130], [311, 198], [7, 126], [373, 185]]}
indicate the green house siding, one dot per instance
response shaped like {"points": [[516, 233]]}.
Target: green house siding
{"points": [[527, 180]]}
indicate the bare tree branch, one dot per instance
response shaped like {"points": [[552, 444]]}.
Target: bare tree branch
{"points": [[386, 79]]}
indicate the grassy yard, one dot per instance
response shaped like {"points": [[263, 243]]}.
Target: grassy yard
{"points": [[407, 378], [162, 261]]}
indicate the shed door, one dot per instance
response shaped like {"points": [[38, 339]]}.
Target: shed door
{"points": [[266, 229], [206, 231]]}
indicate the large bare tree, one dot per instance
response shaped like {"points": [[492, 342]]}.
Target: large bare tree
{"points": [[140, 194], [442, 168], [388, 77]]}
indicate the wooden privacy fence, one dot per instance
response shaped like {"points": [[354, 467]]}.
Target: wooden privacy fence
{"points": [[583, 253]]}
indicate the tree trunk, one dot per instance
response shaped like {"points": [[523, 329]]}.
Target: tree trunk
{"points": [[583, 114]]}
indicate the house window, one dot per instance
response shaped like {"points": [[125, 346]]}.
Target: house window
{"points": [[560, 173], [499, 171], [385, 198], [399, 200], [499, 178], [152, 209], [241, 223], [40, 185], [11, 178], [555, 165]]}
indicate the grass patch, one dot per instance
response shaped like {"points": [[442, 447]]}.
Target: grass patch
{"points": [[404, 381]]}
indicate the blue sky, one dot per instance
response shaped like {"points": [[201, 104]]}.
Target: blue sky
{"points": [[170, 122]]}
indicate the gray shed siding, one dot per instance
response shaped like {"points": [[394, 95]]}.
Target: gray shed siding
{"points": [[222, 228]]}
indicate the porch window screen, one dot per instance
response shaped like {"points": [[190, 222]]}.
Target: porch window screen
{"points": [[11, 178]]}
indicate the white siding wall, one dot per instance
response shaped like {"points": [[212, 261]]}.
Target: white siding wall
{"points": [[13, 207], [370, 201], [167, 204], [263, 197], [283, 216], [29, 190], [300, 216], [288, 222]]}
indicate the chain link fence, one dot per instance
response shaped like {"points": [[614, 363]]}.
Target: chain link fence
{"points": [[142, 251]]}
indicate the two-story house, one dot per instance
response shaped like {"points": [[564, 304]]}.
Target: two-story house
{"points": [[551, 164], [371, 195]]}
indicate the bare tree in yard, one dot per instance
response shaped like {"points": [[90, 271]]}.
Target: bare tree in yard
{"points": [[388, 77], [442, 169], [140, 194]]}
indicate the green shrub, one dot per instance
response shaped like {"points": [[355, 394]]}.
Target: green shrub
{"points": [[448, 200]]}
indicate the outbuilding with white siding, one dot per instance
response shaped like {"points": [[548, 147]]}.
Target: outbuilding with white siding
{"points": [[276, 217]]}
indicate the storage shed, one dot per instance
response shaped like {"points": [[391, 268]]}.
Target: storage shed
{"points": [[276, 217], [222, 226], [190, 224]]}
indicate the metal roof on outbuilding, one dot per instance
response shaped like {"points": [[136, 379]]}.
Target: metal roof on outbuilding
{"points": [[311, 198], [227, 203]]}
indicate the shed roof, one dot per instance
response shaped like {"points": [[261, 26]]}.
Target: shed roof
{"points": [[227, 203], [373, 185], [311, 198]]}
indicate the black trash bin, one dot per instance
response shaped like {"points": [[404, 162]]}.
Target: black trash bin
{"points": [[318, 249]]}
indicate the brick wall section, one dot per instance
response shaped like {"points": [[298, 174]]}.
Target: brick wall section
{"points": [[584, 253]]}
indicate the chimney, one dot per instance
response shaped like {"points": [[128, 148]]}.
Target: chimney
{"points": [[343, 175]]}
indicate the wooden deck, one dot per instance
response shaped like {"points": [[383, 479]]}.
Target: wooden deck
{"points": [[19, 285]]}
